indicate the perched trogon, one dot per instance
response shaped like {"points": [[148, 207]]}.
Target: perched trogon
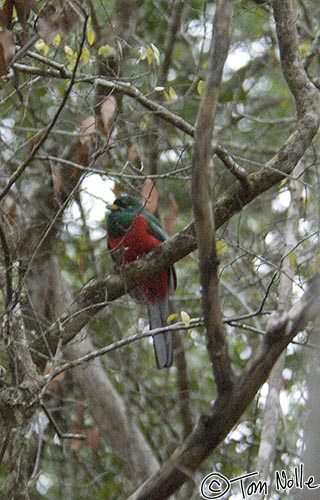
{"points": [[133, 231]]}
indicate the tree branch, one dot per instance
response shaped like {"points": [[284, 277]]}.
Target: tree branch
{"points": [[202, 186], [292, 66]]}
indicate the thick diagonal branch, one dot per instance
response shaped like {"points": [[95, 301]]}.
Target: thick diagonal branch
{"points": [[212, 429]]}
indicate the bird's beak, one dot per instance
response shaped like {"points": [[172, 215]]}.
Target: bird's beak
{"points": [[113, 207]]}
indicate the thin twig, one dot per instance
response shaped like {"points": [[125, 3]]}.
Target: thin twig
{"points": [[238, 171], [121, 343], [7, 264], [62, 435]]}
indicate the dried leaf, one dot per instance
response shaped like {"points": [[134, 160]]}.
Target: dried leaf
{"points": [[48, 23], [75, 443], [133, 155], [108, 113], [87, 129], [81, 156], [149, 195], [56, 381], [6, 14], [93, 437], [23, 8], [52, 21], [69, 17], [3, 64], [80, 407], [79, 425], [7, 50], [171, 217], [117, 190]]}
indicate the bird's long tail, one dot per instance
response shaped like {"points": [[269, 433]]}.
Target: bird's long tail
{"points": [[163, 345]]}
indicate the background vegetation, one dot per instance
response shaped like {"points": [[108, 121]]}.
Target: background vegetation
{"points": [[195, 107]]}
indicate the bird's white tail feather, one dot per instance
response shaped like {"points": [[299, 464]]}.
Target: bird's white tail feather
{"points": [[163, 344]]}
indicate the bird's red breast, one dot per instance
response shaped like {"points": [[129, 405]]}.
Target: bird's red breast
{"points": [[135, 242]]}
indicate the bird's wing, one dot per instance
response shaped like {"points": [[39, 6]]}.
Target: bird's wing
{"points": [[156, 230]]}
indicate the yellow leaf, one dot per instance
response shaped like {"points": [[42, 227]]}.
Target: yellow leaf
{"points": [[90, 35], [200, 87], [221, 247], [105, 50], [185, 318], [173, 94], [149, 55], [316, 266], [283, 183], [57, 40], [172, 317], [85, 55], [68, 51], [143, 54], [156, 54], [292, 260], [143, 125], [304, 47], [41, 46]]}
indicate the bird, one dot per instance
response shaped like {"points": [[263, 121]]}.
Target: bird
{"points": [[132, 231]]}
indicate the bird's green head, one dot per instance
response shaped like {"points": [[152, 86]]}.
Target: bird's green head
{"points": [[126, 202]]}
